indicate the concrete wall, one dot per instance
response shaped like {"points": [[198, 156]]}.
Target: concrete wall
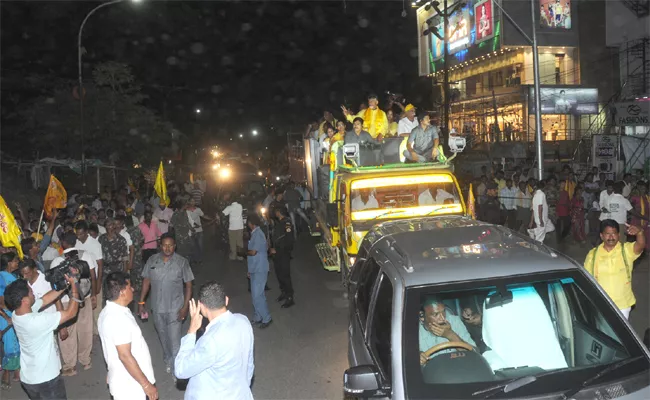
{"points": [[622, 25]]}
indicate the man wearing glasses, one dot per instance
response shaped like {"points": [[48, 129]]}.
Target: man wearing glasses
{"points": [[169, 277]]}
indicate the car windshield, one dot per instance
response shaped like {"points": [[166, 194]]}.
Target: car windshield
{"points": [[459, 342], [403, 194]]}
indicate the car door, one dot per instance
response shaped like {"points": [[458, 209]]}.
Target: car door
{"points": [[362, 286], [380, 328]]}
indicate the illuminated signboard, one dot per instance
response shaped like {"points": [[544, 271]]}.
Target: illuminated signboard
{"points": [[576, 101], [484, 20], [459, 34], [555, 14]]}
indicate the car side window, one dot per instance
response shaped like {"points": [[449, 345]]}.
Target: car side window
{"points": [[367, 279], [587, 314], [380, 326]]}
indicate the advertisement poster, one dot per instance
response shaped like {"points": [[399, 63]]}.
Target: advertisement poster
{"points": [[484, 20], [555, 14], [564, 100], [633, 113], [459, 34], [604, 154]]}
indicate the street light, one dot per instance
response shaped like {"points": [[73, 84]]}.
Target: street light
{"points": [[241, 135], [198, 111], [254, 133], [81, 88]]}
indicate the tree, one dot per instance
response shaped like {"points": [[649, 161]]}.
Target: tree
{"points": [[118, 128]]}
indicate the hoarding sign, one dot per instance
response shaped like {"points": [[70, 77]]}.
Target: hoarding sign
{"points": [[633, 113], [484, 20], [604, 154], [555, 14], [563, 100], [459, 34]]}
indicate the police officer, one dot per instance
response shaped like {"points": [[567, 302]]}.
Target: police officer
{"points": [[490, 210], [282, 246]]}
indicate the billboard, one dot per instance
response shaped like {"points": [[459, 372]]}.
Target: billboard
{"points": [[459, 34], [484, 20], [555, 14], [563, 100], [633, 113]]}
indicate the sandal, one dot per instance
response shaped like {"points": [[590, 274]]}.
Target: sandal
{"points": [[5, 386], [69, 372]]}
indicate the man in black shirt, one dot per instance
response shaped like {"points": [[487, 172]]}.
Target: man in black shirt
{"points": [[281, 251], [490, 211]]}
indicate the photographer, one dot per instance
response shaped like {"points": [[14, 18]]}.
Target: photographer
{"points": [[39, 360], [79, 343]]}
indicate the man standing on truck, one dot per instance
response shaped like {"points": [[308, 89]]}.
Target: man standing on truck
{"points": [[374, 120], [283, 240], [422, 145]]}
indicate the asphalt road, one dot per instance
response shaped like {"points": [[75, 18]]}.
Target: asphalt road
{"points": [[303, 354]]}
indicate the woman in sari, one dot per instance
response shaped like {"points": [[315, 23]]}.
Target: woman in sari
{"points": [[11, 348], [578, 215], [641, 204]]}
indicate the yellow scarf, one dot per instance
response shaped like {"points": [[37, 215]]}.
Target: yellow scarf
{"points": [[570, 187], [376, 121]]}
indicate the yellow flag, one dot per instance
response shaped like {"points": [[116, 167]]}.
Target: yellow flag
{"points": [[56, 197], [161, 186], [131, 185], [471, 203], [192, 178], [9, 230]]}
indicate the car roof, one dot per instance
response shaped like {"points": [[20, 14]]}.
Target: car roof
{"points": [[432, 250]]}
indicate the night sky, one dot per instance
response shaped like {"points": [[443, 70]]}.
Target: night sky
{"points": [[245, 64]]}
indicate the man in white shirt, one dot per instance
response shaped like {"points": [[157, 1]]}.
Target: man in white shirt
{"points": [[130, 371], [88, 243], [508, 199], [410, 121], [79, 344], [36, 281], [39, 359], [523, 203], [365, 200], [163, 214], [234, 212], [627, 189], [426, 197], [604, 200], [618, 207], [195, 214], [539, 224]]}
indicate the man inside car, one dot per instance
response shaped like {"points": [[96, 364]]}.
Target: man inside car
{"points": [[437, 326], [365, 200]]}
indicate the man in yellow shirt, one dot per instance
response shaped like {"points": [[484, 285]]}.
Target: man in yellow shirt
{"points": [[611, 263], [375, 121]]}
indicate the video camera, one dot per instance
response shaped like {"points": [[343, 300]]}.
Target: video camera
{"points": [[71, 266], [396, 97]]}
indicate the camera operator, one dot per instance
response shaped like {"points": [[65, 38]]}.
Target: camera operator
{"points": [[39, 359], [79, 343]]}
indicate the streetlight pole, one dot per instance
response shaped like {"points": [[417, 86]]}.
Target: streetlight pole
{"points": [[538, 101], [81, 91], [447, 99]]}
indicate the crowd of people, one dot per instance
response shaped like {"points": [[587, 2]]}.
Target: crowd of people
{"points": [[613, 216], [371, 125]]}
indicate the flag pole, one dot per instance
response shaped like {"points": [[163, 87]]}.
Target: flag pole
{"points": [[38, 228]]}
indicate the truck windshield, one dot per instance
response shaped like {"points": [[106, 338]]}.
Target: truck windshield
{"points": [[402, 195]]}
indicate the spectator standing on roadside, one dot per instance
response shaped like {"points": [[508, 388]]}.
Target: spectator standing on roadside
{"points": [[524, 200], [163, 214], [605, 195], [618, 207], [508, 198], [169, 277], [540, 223], [220, 364], [258, 271], [151, 235], [611, 263], [130, 371], [79, 344], [234, 212]]}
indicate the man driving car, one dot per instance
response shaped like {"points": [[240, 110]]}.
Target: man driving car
{"points": [[440, 326]]}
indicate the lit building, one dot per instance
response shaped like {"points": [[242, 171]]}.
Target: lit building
{"points": [[491, 69]]}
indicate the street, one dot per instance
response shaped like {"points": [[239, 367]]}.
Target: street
{"points": [[303, 354]]}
